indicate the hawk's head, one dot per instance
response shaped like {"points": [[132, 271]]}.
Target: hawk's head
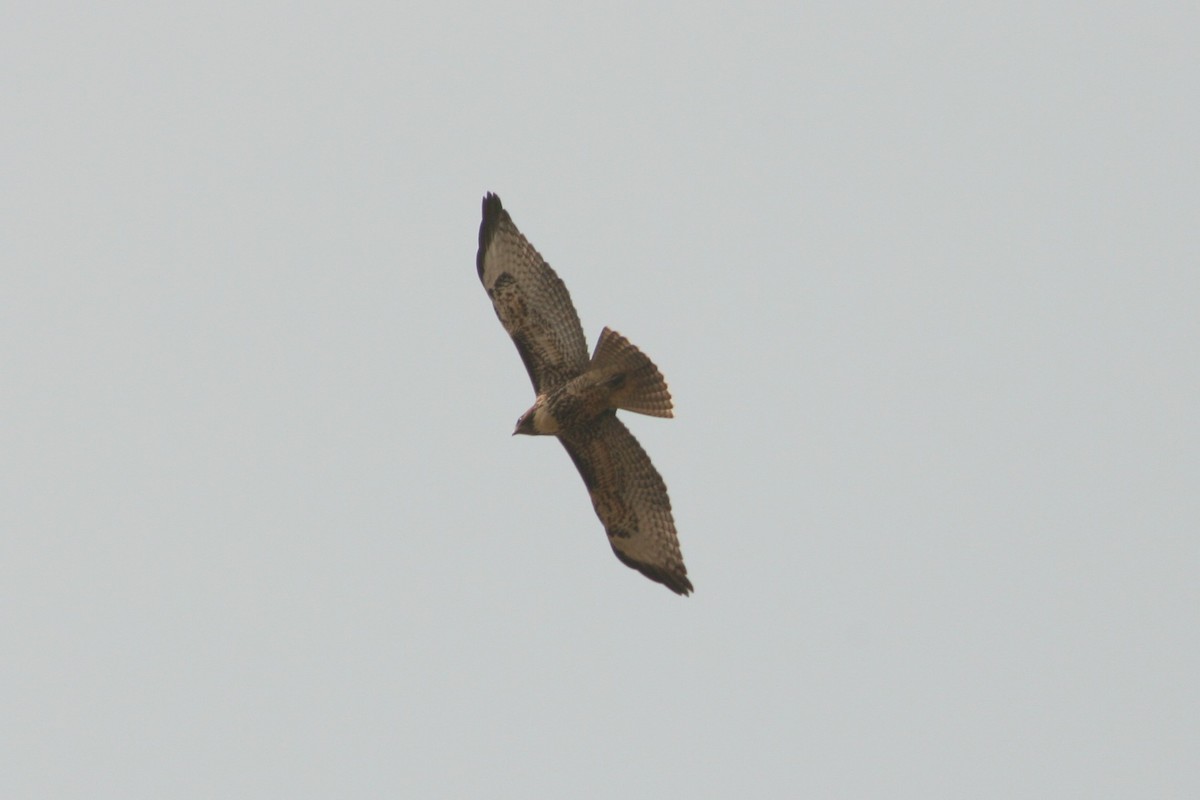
{"points": [[537, 421], [525, 423]]}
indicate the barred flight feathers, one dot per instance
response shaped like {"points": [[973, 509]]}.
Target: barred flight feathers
{"points": [[530, 299]]}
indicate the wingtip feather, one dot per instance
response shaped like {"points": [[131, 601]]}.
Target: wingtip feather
{"points": [[493, 215], [677, 582]]}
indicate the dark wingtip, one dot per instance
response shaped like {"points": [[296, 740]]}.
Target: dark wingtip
{"points": [[677, 582], [491, 205], [493, 213], [681, 586]]}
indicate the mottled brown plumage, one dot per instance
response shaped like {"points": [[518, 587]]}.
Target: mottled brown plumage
{"points": [[577, 397]]}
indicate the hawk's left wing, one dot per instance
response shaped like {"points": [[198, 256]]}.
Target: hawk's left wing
{"points": [[630, 498], [530, 299]]}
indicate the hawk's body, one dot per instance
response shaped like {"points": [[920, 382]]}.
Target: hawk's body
{"points": [[577, 397]]}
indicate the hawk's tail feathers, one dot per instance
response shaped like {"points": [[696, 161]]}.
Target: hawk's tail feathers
{"points": [[636, 383]]}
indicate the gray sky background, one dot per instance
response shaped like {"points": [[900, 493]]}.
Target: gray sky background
{"points": [[923, 280]]}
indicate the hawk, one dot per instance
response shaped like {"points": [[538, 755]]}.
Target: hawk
{"points": [[577, 398]]}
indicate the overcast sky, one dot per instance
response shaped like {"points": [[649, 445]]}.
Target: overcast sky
{"points": [[924, 282]]}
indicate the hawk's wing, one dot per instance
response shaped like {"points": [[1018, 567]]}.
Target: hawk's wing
{"points": [[530, 299], [630, 498]]}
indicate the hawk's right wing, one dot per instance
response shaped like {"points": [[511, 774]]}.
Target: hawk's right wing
{"points": [[630, 498], [530, 299]]}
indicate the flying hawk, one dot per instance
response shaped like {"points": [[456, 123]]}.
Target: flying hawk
{"points": [[577, 398]]}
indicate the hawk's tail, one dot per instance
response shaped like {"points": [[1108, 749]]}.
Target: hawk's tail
{"points": [[636, 383]]}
